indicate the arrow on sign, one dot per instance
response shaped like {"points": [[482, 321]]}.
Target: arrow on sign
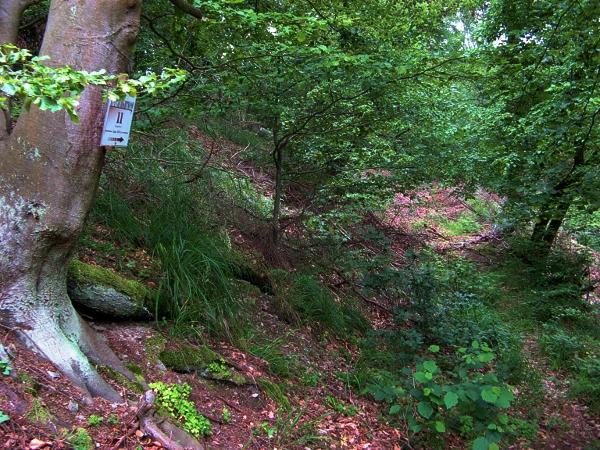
{"points": [[119, 139]]}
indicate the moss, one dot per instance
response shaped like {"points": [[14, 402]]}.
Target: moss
{"points": [[82, 273], [134, 368], [122, 380], [154, 346], [188, 358], [38, 413]]}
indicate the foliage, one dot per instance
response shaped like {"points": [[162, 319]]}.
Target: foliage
{"points": [[38, 413], [174, 402], [80, 439], [466, 223], [25, 76], [176, 226], [271, 350], [5, 367], [562, 349], [585, 386], [339, 406], [4, 417], [468, 398], [95, 421], [226, 415], [314, 303]]}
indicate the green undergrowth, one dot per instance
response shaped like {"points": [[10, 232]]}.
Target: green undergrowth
{"points": [[188, 358], [458, 348], [176, 222], [302, 298], [173, 401], [465, 223]]}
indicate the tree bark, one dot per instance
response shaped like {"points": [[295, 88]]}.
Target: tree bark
{"points": [[278, 160], [49, 171]]}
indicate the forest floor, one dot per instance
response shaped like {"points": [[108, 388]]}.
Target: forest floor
{"points": [[295, 400]]}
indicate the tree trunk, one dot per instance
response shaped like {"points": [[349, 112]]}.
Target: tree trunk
{"points": [[548, 225], [278, 159], [49, 171]]}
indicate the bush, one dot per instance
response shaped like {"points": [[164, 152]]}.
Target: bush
{"points": [[585, 385], [469, 398], [561, 348]]}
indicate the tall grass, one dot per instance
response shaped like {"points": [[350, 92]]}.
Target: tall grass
{"points": [[314, 304], [175, 221]]}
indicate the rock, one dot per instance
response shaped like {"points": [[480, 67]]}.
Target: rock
{"points": [[53, 375], [101, 292], [73, 406]]}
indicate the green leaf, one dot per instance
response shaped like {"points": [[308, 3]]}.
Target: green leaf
{"points": [[480, 443], [504, 399], [434, 348], [420, 377], [395, 409], [489, 396], [450, 400], [440, 426], [431, 366], [425, 409]]}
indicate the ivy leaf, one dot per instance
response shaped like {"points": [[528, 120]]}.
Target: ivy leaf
{"points": [[440, 426], [450, 400], [425, 409]]}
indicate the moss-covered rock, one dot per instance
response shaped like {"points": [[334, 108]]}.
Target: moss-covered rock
{"points": [[188, 359], [202, 361], [101, 291]]}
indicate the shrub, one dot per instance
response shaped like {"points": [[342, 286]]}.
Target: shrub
{"points": [[585, 385], [469, 398], [561, 348]]}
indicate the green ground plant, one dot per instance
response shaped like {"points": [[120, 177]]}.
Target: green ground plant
{"points": [[80, 439], [174, 402], [95, 421]]}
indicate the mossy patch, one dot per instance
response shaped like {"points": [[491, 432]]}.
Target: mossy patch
{"points": [[154, 346], [188, 358], [133, 386], [38, 413], [82, 273]]}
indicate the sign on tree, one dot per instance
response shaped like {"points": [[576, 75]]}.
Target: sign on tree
{"points": [[117, 122]]}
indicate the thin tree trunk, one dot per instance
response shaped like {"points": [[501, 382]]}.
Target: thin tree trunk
{"points": [[49, 171], [278, 159]]}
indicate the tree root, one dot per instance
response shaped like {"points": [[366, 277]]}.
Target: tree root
{"points": [[161, 430]]}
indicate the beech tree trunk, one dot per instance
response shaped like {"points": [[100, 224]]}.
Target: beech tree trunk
{"points": [[49, 171]]}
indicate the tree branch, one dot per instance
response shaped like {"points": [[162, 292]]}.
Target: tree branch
{"points": [[184, 6]]}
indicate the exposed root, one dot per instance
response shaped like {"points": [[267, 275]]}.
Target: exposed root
{"points": [[67, 342], [163, 431]]}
